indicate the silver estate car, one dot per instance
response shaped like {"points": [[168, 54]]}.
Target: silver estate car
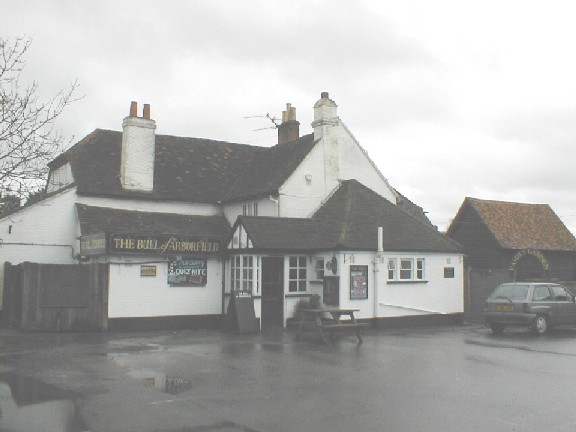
{"points": [[535, 305]]}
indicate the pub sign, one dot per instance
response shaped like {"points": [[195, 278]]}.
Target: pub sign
{"points": [[147, 244]]}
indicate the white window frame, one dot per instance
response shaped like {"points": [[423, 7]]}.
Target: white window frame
{"points": [[420, 268], [392, 268], [245, 273], [297, 273], [319, 270], [250, 209], [406, 269]]}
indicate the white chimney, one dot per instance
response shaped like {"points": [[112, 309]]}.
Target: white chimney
{"points": [[325, 115], [138, 150]]}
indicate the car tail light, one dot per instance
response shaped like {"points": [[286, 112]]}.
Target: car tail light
{"points": [[525, 307]]}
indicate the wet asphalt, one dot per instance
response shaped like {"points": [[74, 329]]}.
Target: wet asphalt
{"points": [[456, 378]]}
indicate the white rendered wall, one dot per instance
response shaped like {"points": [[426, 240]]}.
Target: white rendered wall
{"points": [[60, 178], [438, 295], [177, 207], [131, 295], [43, 233], [266, 207], [356, 164], [337, 156]]}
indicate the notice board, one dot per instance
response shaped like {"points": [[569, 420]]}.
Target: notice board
{"points": [[187, 273], [241, 317]]}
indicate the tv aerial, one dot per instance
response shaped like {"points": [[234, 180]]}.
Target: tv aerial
{"points": [[274, 120]]}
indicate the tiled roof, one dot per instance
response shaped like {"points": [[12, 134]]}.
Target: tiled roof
{"points": [[349, 220], [95, 220], [353, 214], [271, 168], [186, 169], [283, 234], [523, 226], [412, 208]]}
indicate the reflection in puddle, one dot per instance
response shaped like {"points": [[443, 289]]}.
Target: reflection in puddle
{"points": [[27, 404]]}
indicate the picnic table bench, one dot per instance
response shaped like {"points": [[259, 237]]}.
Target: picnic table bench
{"points": [[317, 318]]}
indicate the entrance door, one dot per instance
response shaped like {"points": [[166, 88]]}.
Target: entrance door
{"points": [[272, 292]]}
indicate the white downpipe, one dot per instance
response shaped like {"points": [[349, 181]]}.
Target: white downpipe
{"points": [[377, 269]]}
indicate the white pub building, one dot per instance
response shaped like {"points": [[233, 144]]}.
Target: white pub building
{"points": [[181, 222]]}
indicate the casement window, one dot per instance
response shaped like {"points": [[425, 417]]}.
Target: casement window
{"points": [[245, 273], [250, 209], [406, 269], [392, 268], [297, 273], [319, 268], [420, 268]]}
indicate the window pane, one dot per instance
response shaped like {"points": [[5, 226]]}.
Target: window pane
{"points": [[293, 261], [391, 269], [541, 293], [406, 269], [420, 268], [292, 286]]}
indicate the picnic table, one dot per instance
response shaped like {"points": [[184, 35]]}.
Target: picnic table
{"points": [[317, 318]]}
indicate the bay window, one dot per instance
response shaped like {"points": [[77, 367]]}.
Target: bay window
{"points": [[245, 273]]}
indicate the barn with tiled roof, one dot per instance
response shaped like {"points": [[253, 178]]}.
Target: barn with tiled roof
{"points": [[528, 239]]}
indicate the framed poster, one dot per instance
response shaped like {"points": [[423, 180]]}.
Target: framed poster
{"points": [[358, 282], [187, 272]]}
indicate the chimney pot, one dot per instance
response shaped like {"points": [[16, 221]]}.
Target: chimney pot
{"points": [[133, 109], [324, 95], [146, 112], [289, 129]]}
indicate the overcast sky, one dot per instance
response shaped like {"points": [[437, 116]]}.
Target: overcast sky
{"points": [[449, 98]]}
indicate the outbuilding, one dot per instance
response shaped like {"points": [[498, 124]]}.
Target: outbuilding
{"points": [[510, 241]]}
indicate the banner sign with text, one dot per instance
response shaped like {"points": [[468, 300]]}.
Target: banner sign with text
{"points": [[143, 244], [93, 244], [187, 272]]}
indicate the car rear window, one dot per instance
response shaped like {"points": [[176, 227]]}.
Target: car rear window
{"points": [[511, 292]]}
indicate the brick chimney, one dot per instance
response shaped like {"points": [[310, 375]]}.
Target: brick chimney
{"points": [[289, 129], [138, 150], [325, 115]]}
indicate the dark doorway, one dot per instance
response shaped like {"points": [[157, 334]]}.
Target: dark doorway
{"points": [[272, 292]]}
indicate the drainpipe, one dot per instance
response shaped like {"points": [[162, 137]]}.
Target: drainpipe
{"points": [[223, 288], [376, 271], [277, 205]]}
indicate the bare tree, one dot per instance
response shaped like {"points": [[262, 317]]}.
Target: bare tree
{"points": [[28, 139]]}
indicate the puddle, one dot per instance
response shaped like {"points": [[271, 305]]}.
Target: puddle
{"points": [[29, 405], [168, 384]]}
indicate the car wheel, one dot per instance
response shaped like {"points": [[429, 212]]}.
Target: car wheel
{"points": [[540, 325], [497, 328]]}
